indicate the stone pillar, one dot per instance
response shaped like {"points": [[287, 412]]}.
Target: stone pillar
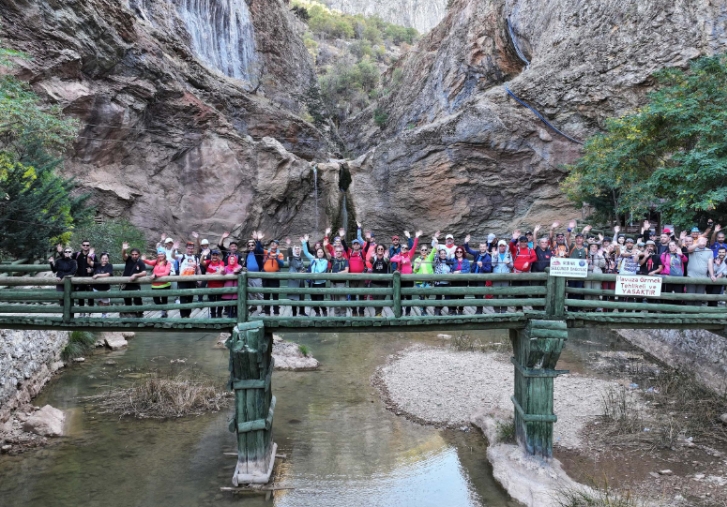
{"points": [[251, 369], [536, 350]]}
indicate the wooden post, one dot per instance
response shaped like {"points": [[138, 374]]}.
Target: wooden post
{"points": [[559, 297], [67, 299], [536, 350], [550, 295], [397, 295], [242, 297], [251, 370]]}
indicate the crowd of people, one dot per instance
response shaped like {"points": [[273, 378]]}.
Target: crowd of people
{"points": [[693, 254]]}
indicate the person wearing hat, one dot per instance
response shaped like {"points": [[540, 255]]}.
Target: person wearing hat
{"points": [[502, 263], [610, 252], [189, 265], [663, 245], [695, 233], [357, 265], [650, 261], [273, 260], [596, 264], [162, 268], [523, 256], [491, 242], [213, 267], [171, 250], [448, 246]]}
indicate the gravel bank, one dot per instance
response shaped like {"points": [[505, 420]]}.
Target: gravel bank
{"points": [[446, 388]]}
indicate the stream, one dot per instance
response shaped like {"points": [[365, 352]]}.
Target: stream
{"points": [[342, 446]]}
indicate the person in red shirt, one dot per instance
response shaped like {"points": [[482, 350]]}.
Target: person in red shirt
{"points": [[357, 264], [215, 266], [523, 257], [403, 263]]}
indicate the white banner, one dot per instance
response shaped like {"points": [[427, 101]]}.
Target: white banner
{"points": [[636, 285], [572, 268]]}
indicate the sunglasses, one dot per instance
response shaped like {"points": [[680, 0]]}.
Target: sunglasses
{"points": [[459, 252], [68, 251], [85, 244]]}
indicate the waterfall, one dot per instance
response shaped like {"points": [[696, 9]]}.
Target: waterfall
{"points": [[344, 214], [222, 34], [221, 31], [315, 188]]}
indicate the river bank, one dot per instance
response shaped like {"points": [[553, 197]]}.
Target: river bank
{"points": [[444, 387]]}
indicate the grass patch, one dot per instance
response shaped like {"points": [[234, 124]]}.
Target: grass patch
{"points": [[582, 497], [79, 344], [506, 432], [680, 408], [304, 350], [159, 397]]}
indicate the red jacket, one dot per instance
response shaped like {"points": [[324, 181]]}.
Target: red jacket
{"points": [[356, 262], [523, 258]]}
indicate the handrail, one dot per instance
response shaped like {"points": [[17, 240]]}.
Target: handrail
{"points": [[549, 297]]}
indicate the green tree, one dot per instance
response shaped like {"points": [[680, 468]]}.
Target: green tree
{"points": [[37, 206], [109, 236], [670, 155]]}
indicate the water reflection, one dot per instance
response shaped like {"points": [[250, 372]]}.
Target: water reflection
{"points": [[343, 447]]}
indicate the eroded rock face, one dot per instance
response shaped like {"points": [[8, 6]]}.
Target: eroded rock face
{"points": [[460, 155], [166, 141]]}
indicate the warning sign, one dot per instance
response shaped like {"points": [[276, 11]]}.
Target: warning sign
{"points": [[643, 286], [572, 268]]}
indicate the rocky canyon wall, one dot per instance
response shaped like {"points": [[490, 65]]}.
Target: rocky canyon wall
{"points": [[27, 360], [420, 14], [460, 155], [170, 138]]}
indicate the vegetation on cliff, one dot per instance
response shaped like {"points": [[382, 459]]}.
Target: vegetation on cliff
{"points": [[351, 52], [37, 207], [669, 155]]}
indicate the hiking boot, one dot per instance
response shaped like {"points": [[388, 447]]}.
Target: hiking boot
{"points": [[479, 311]]}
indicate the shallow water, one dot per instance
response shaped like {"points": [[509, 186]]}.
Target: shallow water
{"points": [[343, 447]]}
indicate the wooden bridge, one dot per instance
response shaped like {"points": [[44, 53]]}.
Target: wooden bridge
{"points": [[537, 308]]}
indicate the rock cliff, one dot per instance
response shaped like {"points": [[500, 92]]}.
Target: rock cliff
{"points": [[174, 141], [459, 154], [168, 139], [420, 14]]}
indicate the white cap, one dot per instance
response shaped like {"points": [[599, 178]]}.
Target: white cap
{"points": [[204, 242], [449, 236], [491, 237], [168, 240], [502, 242]]}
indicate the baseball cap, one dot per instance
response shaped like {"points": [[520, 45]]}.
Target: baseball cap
{"points": [[215, 252], [523, 238], [629, 240], [695, 229], [449, 236], [491, 237], [161, 251], [650, 243], [168, 240], [502, 242], [204, 242], [579, 235], [356, 241], [529, 233], [394, 237], [666, 231]]}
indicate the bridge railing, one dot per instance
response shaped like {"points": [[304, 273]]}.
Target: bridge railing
{"points": [[392, 295], [413, 298], [588, 299]]}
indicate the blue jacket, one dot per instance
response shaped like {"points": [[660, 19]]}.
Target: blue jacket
{"points": [[485, 258], [465, 266]]}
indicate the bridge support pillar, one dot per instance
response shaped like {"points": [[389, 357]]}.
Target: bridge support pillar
{"points": [[251, 369], [536, 350]]}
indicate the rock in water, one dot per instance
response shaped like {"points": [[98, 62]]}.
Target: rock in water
{"points": [[287, 356], [114, 341], [47, 422]]}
